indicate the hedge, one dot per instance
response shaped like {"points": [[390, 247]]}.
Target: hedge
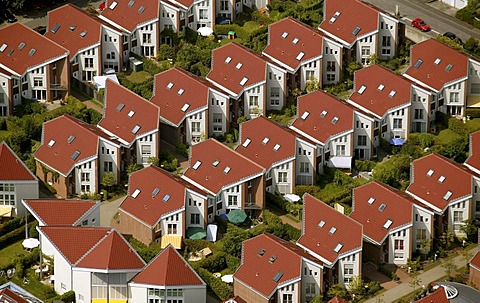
{"points": [[473, 113], [365, 165], [457, 126], [13, 236], [68, 297], [11, 225], [220, 288], [277, 201]]}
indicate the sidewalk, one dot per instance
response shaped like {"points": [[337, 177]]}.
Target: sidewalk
{"points": [[428, 276]]}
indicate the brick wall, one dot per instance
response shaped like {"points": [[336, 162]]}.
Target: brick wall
{"points": [[246, 293], [130, 226]]}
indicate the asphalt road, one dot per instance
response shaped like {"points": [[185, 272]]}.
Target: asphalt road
{"points": [[438, 15]]}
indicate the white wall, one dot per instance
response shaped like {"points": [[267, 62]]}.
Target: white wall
{"points": [[195, 204], [293, 289], [254, 111], [84, 60], [332, 52], [218, 104], [62, 270], [402, 255], [108, 153], [311, 273], [419, 110], [112, 43], [208, 16], [39, 73], [421, 220], [193, 137], [146, 140], [150, 28], [24, 190], [350, 261], [173, 219], [397, 132], [463, 209], [137, 293], [89, 167], [276, 79], [363, 126], [476, 198], [5, 84], [82, 285], [283, 187], [305, 153], [168, 17], [387, 37], [234, 191], [365, 47]]}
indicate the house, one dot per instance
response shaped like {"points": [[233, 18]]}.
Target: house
{"points": [[387, 218], [71, 153], [170, 278], [451, 78], [17, 182], [288, 158], [332, 238], [228, 10], [161, 207], [94, 46], [191, 109], [95, 262], [458, 4], [362, 29], [444, 188], [473, 160], [64, 212], [385, 97], [439, 295], [328, 122], [133, 121], [12, 293], [176, 14], [274, 270], [139, 23], [31, 67], [253, 82], [305, 53], [231, 180]]}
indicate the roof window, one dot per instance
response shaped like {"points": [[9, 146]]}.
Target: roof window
{"points": [[362, 89]]}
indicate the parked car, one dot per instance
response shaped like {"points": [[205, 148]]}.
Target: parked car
{"points": [[421, 25], [6, 15], [452, 36]]}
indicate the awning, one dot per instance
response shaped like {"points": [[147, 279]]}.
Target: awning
{"points": [[175, 240], [100, 80], [292, 198], [212, 232], [397, 141], [340, 162], [6, 211]]}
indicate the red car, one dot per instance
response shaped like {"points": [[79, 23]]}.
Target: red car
{"points": [[421, 25]]}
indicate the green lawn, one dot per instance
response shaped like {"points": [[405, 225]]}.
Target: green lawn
{"points": [[8, 254], [139, 77], [447, 136], [473, 124]]}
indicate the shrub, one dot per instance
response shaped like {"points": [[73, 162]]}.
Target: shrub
{"points": [[196, 245], [473, 113], [441, 119], [220, 288], [421, 139], [181, 149], [457, 126], [232, 262], [13, 236], [11, 225], [365, 165], [214, 263], [278, 201]]}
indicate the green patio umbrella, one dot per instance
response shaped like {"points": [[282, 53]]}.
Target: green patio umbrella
{"points": [[237, 216], [196, 233]]}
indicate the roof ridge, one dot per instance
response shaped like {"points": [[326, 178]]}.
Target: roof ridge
{"points": [[94, 246], [237, 153], [3, 143]]}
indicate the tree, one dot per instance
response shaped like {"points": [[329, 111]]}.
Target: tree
{"points": [[446, 239], [312, 85], [470, 231], [449, 268], [316, 299], [232, 241], [109, 180], [337, 290], [132, 168], [155, 161], [471, 45], [415, 282]]}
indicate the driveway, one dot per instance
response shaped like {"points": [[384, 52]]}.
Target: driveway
{"points": [[107, 210]]}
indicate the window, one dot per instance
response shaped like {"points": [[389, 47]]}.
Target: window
{"points": [[85, 177], [287, 298], [88, 62], [362, 140], [397, 123], [195, 127], [217, 122], [309, 289], [253, 101], [7, 194], [107, 166], [85, 188], [454, 97], [386, 41], [458, 216], [282, 177], [421, 234], [418, 114], [146, 152], [348, 270], [304, 167], [310, 75], [203, 14], [232, 200], [331, 77], [365, 51], [37, 82], [475, 88], [171, 229], [340, 150], [275, 96], [224, 5], [194, 218], [399, 244], [330, 66]]}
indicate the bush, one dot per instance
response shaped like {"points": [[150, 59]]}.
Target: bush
{"points": [[276, 200], [220, 288], [214, 263], [421, 139], [13, 236], [232, 262], [441, 119], [181, 149], [196, 245], [457, 126], [473, 113], [11, 225], [365, 165]]}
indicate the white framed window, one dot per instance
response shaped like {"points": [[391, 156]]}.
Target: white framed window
{"points": [[282, 177]]}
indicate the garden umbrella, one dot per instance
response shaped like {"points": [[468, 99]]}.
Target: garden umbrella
{"points": [[223, 216], [196, 233], [205, 31], [227, 278], [397, 141], [237, 216], [30, 243]]}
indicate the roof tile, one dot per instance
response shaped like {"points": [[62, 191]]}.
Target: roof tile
{"points": [[129, 17], [59, 212], [12, 167]]}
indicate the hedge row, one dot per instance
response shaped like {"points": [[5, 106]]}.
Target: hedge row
{"points": [[11, 225], [220, 288], [13, 236], [219, 261], [473, 113], [68, 297]]}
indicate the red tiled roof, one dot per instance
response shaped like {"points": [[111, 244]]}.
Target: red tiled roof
{"points": [[476, 261], [436, 75], [397, 207], [59, 156], [457, 180], [473, 159], [438, 296], [236, 299], [59, 212], [74, 242], [146, 115], [308, 40], [182, 3], [352, 14], [187, 89], [257, 131], [70, 17], [258, 272], [12, 167], [374, 100], [168, 268], [320, 240], [213, 178], [18, 59], [9, 296], [337, 300], [321, 129], [112, 253], [129, 17], [148, 207], [252, 67]]}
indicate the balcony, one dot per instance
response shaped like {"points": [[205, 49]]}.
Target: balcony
{"points": [[57, 86], [252, 205]]}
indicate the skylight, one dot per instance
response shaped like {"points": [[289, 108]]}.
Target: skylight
{"points": [[338, 247], [382, 207], [335, 120], [185, 107], [83, 34], [449, 67], [387, 224], [323, 114], [284, 35], [75, 155], [72, 27], [155, 192], [141, 9], [135, 129], [430, 172], [447, 196], [441, 179], [228, 60], [321, 224], [21, 46], [55, 28], [113, 5], [131, 113], [371, 200], [265, 140], [196, 165], [246, 142], [170, 85], [362, 89], [32, 52], [3, 47], [131, 3], [135, 193], [120, 106], [300, 56], [334, 17], [239, 65], [278, 276], [380, 87], [295, 41], [332, 230], [51, 143], [417, 64], [70, 139], [356, 30], [226, 170], [166, 198], [180, 91], [215, 163], [304, 115], [276, 147], [437, 61], [392, 93], [244, 80]]}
